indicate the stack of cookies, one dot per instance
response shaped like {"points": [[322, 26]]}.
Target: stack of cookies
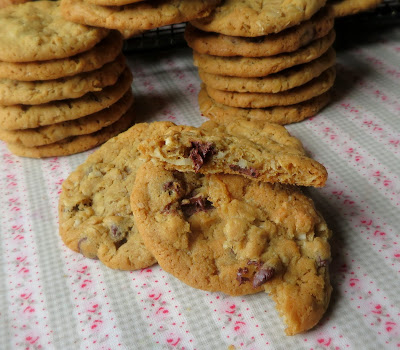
{"points": [[272, 61], [64, 87], [133, 17], [218, 207]]}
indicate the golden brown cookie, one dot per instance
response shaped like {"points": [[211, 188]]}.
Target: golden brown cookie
{"points": [[104, 52], [43, 33], [137, 17], [283, 115], [49, 134], [14, 92], [4, 3], [343, 8], [251, 18], [288, 40], [75, 144], [250, 67], [234, 235], [273, 83], [95, 217], [313, 88], [258, 150], [26, 117]]}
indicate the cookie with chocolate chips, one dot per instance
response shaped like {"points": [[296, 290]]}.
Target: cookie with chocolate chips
{"points": [[231, 234], [95, 217], [257, 150]]}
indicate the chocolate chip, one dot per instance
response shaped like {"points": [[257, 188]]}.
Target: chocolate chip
{"points": [[115, 233], [86, 254], [252, 172], [193, 205], [200, 153], [239, 275], [171, 187], [263, 275], [322, 262]]}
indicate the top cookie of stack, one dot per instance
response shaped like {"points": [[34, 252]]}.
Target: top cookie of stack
{"points": [[268, 60], [132, 17], [64, 87]]}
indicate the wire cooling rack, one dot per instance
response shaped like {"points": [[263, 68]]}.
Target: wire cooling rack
{"points": [[168, 37]]}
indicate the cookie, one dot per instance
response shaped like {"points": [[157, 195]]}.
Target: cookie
{"points": [[26, 117], [104, 52], [251, 67], [4, 3], [283, 115], [75, 144], [315, 87], [95, 217], [343, 8], [48, 134], [43, 33], [14, 92], [230, 234], [273, 83], [251, 18], [257, 150], [288, 40], [112, 2], [137, 17]]}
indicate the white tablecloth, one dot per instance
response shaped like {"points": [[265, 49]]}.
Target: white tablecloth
{"points": [[53, 298]]}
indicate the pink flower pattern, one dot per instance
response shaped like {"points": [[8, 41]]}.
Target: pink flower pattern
{"points": [[361, 201]]}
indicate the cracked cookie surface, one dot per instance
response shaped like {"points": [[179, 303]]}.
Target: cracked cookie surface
{"points": [[258, 150], [36, 31], [251, 18], [230, 234], [94, 207]]}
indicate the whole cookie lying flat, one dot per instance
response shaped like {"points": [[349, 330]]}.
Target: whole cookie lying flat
{"points": [[282, 115], [343, 8], [251, 18], [272, 83], [137, 17], [269, 45], [36, 31], [14, 92], [230, 234], [94, 211], [53, 133], [75, 144], [104, 52], [315, 87], [26, 117], [251, 67], [257, 150]]}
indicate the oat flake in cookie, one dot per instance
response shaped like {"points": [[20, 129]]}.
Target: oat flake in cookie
{"points": [[95, 217], [231, 234]]}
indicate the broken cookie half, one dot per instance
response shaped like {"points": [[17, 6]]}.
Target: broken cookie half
{"points": [[231, 234], [257, 150]]}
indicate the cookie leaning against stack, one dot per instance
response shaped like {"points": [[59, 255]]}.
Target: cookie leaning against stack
{"points": [[257, 65], [132, 17], [64, 87]]}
